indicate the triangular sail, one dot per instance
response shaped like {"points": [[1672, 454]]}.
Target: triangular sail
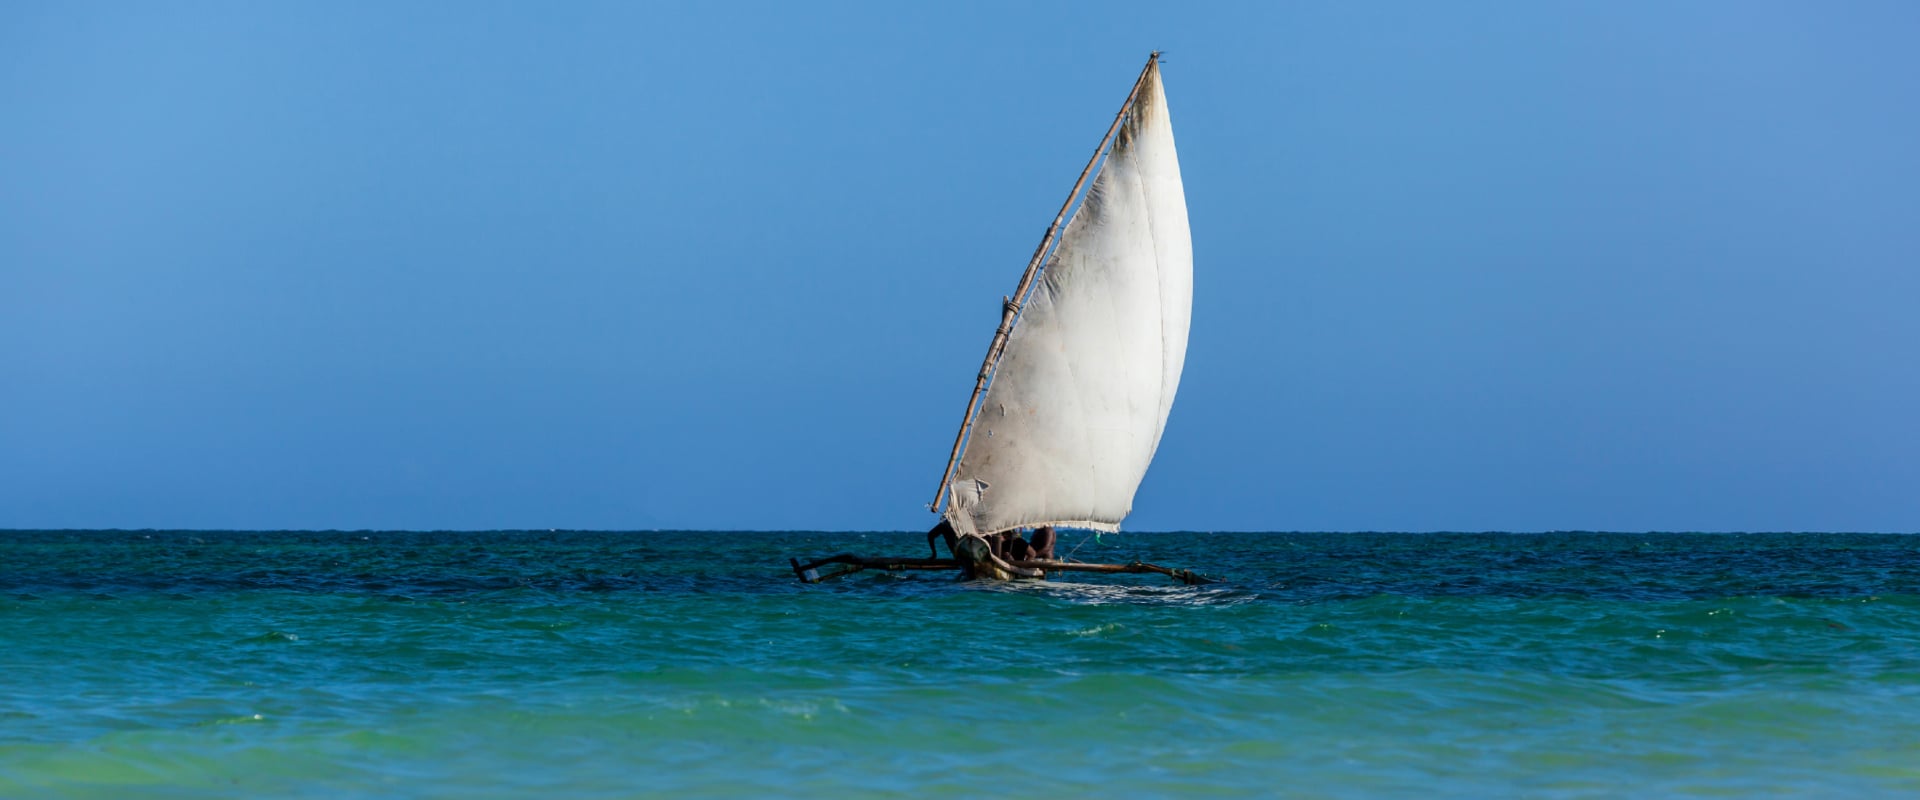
{"points": [[1081, 393]]}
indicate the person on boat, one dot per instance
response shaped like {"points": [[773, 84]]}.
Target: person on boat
{"points": [[943, 530], [1007, 545], [1041, 548], [1014, 548]]}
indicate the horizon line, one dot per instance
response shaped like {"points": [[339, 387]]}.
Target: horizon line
{"points": [[1354, 531]]}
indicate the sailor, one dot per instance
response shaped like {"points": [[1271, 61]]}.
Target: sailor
{"points": [[1017, 549], [943, 530], [1041, 548]]}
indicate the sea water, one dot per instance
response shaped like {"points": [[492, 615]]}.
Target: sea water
{"points": [[592, 664]]}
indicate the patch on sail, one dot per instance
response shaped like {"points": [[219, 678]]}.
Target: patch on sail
{"points": [[964, 498]]}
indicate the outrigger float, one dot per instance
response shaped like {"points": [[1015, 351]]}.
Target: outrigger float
{"points": [[1069, 405]]}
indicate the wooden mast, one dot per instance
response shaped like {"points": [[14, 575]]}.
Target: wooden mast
{"points": [[1010, 306]]}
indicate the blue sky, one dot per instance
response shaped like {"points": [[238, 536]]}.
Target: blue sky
{"points": [[494, 265]]}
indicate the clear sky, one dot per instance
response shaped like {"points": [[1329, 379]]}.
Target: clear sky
{"points": [[645, 265]]}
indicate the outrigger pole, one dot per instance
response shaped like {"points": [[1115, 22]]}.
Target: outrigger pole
{"points": [[1010, 306]]}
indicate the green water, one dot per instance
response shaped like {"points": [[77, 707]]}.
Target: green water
{"points": [[564, 665]]}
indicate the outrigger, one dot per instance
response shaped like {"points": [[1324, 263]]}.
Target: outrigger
{"points": [[1069, 405]]}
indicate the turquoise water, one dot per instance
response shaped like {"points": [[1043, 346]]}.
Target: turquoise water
{"points": [[579, 664]]}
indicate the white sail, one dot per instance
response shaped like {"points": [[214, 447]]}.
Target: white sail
{"points": [[1080, 396]]}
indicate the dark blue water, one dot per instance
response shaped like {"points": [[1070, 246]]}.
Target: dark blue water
{"points": [[583, 664]]}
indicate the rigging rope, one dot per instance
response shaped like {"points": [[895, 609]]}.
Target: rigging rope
{"points": [[1091, 536]]}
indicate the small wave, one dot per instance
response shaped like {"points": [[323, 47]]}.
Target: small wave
{"points": [[1097, 630]]}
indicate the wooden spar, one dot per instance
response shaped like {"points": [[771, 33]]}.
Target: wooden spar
{"points": [[810, 571], [1013, 569], [1010, 307]]}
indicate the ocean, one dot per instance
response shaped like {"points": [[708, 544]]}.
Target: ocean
{"points": [[567, 664]]}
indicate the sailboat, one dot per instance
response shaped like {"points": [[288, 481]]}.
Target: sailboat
{"points": [[1070, 403]]}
